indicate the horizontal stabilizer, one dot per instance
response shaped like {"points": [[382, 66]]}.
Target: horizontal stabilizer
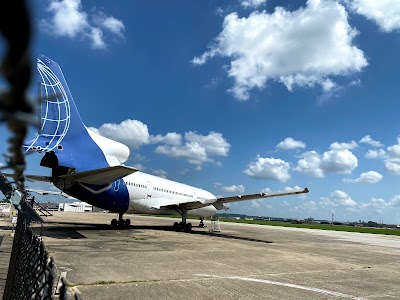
{"points": [[38, 178], [260, 195], [55, 193], [102, 176], [32, 177]]}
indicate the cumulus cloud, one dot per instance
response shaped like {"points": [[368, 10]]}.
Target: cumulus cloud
{"points": [[237, 189], [392, 158], [139, 166], [375, 153], [337, 160], [370, 141], [367, 177], [110, 23], [290, 143], [395, 201], [132, 133], [252, 3], [171, 138], [338, 198], [303, 48], [385, 13], [68, 19], [266, 190], [161, 173], [343, 146], [197, 149], [268, 168], [376, 204]]}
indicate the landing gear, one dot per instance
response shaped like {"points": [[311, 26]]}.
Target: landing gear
{"points": [[121, 223], [201, 225], [182, 225]]}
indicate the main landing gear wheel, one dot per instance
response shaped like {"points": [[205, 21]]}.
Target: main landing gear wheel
{"points": [[182, 210], [121, 223], [182, 226]]}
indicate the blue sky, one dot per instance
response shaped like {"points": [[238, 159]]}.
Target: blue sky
{"points": [[242, 96]]}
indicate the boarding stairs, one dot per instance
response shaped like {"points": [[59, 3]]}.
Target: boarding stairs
{"points": [[20, 200]]}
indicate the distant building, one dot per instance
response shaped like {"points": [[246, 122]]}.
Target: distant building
{"points": [[50, 206], [76, 207]]}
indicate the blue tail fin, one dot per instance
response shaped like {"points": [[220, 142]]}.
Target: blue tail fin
{"points": [[58, 113], [62, 131]]}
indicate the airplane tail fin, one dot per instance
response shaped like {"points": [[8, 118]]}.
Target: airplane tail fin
{"points": [[58, 113], [62, 134]]}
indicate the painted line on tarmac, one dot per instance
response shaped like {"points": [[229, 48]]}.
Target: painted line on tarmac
{"points": [[291, 285]]}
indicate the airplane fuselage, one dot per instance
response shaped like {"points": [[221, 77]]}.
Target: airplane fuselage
{"points": [[143, 193]]}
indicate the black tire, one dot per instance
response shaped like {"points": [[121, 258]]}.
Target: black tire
{"points": [[188, 227], [128, 223], [114, 223], [175, 226]]}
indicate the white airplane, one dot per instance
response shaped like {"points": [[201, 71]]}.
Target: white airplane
{"points": [[90, 167]]}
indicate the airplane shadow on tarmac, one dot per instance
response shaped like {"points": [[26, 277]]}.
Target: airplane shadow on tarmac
{"points": [[72, 231]]}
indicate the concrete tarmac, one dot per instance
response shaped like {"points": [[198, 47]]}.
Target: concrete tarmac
{"points": [[150, 261]]}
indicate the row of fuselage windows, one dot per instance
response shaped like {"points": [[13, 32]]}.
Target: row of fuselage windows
{"points": [[157, 189]]}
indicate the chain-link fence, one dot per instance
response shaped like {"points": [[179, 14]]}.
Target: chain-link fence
{"points": [[31, 273]]}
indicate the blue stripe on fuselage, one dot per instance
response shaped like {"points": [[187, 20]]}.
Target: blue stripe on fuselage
{"points": [[116, 198]]}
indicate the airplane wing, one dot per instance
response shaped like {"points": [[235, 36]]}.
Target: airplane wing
{"points": [[219, 203], [43, 192], [260, 195], [174, 203]]}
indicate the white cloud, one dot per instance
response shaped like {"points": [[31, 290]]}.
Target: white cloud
{"points": [[114, 25], [338, 198], [392, 158], [197, 149], [343, 146], [395, 201], [214, 143], [171, 138], [139, 166], [132, 133], [368, 177], [289, 188], [161, 173], [266, 190], [338, 160], [370, 141], [96, 36], [304, 48], [385, 13], [268, 168], [67, 18], [252, 3], [310, 164], [376, 204], [375, 153], [290, 143], [237, 189]]}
